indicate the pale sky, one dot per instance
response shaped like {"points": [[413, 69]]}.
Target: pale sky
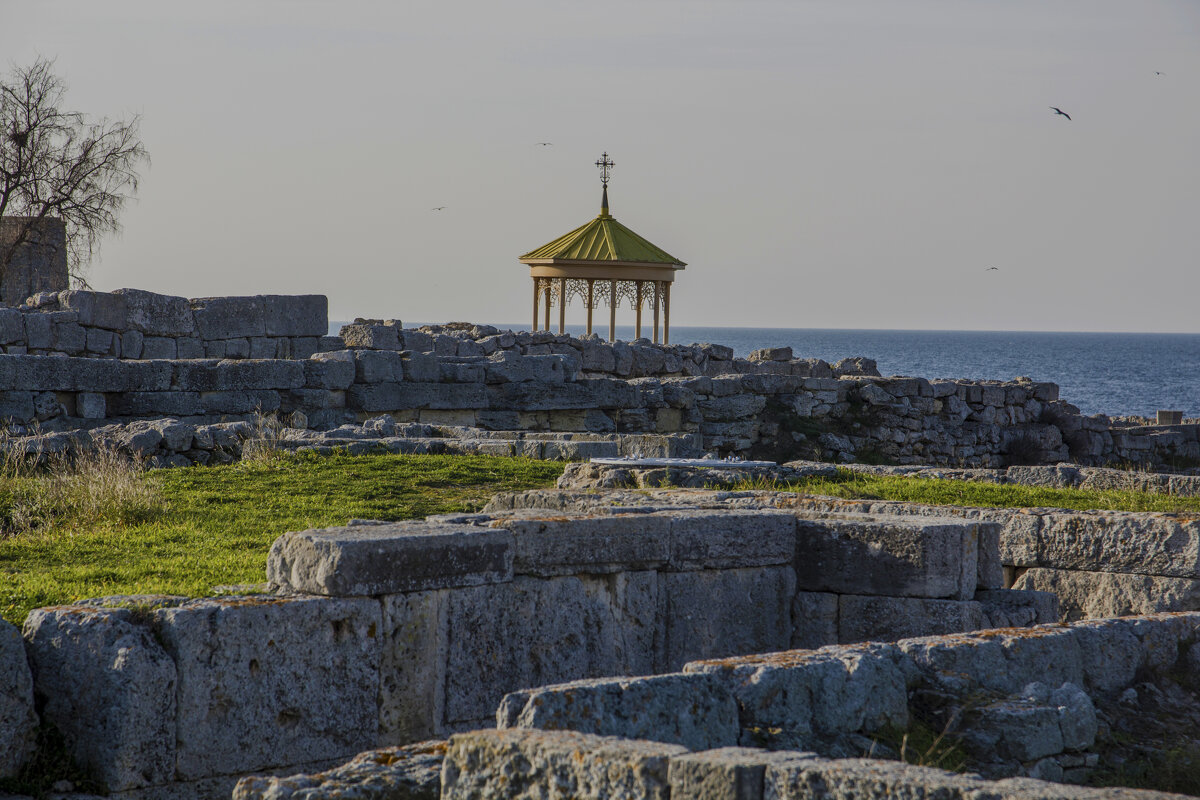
{"points": [[831, 164]]}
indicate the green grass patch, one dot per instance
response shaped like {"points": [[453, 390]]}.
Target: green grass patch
{"points": [[214, 525], [929, 491]]}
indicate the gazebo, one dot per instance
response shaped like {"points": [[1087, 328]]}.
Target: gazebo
{"points": [[598, 260]]}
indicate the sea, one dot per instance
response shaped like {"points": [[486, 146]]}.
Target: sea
{"points": [[1118, 374]]}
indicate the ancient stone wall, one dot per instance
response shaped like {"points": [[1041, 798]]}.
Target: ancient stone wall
{"points": [[136, 324], [392, 633]]}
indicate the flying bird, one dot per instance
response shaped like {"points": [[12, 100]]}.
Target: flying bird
{"points": [[1157, 73], [544, 144], [1058, 110], [991, 268], [437, 208]]}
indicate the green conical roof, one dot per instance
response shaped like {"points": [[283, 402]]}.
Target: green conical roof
{"points": [[603, 239]]}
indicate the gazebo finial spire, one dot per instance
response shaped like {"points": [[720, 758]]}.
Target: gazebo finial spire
{"points": [[605, 164]]}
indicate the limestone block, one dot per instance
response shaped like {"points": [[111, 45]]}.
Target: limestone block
{"points": [[38, 330], [791, 700], [68, 337], [733, 407], [1110, 651], [1076, 716], [334, 370], [228, 317], [696, 710], [189, 347], [205, 375], [403, 396], [17, 406], [845, 778], [539, 631], [1149, 544], [262, 347], [18, 721], [90, 405], [143, 404], [378, 366], [583, 394], [131, 344], [390, 558], [1017, 728], [531, 763], [727, 773], [263, 401], [457, 372], [159, 347], [12, 326], [715, 613], [730, 539], [1000, 660], [158, 314], [864, 618], [374, 337], [412, 772], [579, 450], [416, 341], [1010, 608], [305, 346], [267, 682], [928, 557], [422, 367], [572, 544], [98, 309], [412, 673], [814, 620], [295, 314], [1089, 595], [98, 340], [237, 348], [110, 690]]}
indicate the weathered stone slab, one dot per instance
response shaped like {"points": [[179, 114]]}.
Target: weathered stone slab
{"points": [[727, 773], [1003, 661], [378, 366], [1089, 595], [814, 620], [205, 375], [295, 314], [913, 557], [391, 558], [405, 396], [109, 689], [412, 672], [17, 718], [1146, 544], [570, 544], [794, 699], [412, 772], [99, 309], [267, 682], [864, 618], [696, 711], [730, 539], [229, 317], [529, 763], [714, 613], [842, 779], [1013, 608], [157, 314], [535, 632]]}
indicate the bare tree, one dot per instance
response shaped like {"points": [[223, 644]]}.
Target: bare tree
{"points": [[58, 164]]}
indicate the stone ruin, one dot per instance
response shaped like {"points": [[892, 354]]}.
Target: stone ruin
{"points": [[607, 638], [38, 264]]}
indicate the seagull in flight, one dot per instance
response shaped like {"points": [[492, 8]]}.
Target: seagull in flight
{"points": [[544, 144], [991, 268], [1156, 72], [437, 208], [1058, 110]]}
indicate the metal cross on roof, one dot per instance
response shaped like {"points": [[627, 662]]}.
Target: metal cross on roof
{"points": [[605, 163]]}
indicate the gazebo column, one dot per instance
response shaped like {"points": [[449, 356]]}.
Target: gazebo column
{"points": [[562, 306], [638, 314], [535, 304], [612, 310], [657, 296], [666, 312], [591, 283], [546, 311]]}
